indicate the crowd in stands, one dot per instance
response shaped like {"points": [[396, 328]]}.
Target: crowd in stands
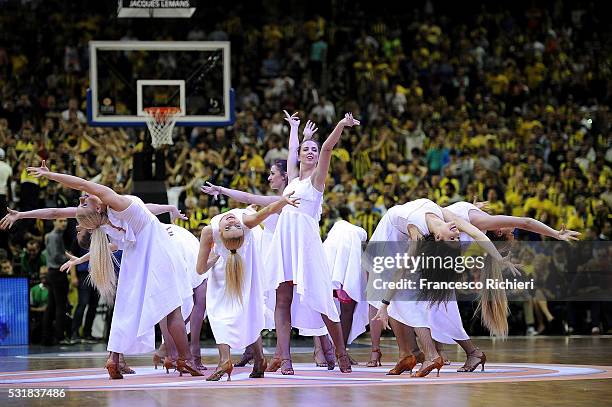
{"points": [[509, 106]]}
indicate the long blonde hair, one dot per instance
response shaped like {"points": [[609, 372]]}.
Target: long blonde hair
{"points": [[234, 267], [493, 304], [101, 260]]}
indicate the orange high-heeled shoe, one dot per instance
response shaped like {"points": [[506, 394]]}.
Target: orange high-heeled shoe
{"points": [[258, 371], [187, 366], [375, 362], [113, 369], [406, 363], [169, 364], [428, 366], [344, 363], [225, 368], [274, 364], [482, 359]]}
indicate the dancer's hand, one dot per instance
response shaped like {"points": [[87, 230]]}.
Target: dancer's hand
{"points": [[293, 120], [349, 121], [309, 130], [38, 172], [72, 261], [383, 316], [211, 189], [567, 235], [175, 213], [514, 268], [10, 218], [289, 200], [483, 206]]}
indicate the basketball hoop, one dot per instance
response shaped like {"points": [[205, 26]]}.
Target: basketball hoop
{"points": [[161, 121]]}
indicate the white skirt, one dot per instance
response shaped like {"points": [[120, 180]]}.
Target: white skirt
{"points": [[445, 322], [296, 250]]}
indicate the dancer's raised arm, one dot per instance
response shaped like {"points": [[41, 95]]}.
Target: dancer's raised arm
{"points": [[320, 174], [484, 221], [108, 196], [47, 213], [294, 145], [240, 196], [255, 219]]}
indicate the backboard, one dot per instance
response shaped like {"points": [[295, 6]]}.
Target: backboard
{"points": [[128, 76]]}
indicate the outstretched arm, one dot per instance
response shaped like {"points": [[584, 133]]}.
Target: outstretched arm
{"points": [[294, 145], [206, 242], [47, 213], [157, 209], [485, 221], [108, 196], [255, 219], [239, 196], [320, 174]]}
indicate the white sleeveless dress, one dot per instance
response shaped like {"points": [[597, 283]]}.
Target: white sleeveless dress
{"points": [[234, 323], [445, 319], [393, 227], [296, 250], [152, 279]]}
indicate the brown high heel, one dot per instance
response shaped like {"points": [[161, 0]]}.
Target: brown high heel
{"points": [[258, 373], [123, 366], [344, 363], [274, 365], [375, 362], [225, 368], [113, 369], [437, 363], [287, 367], [482, 359], [197, 362], [247, 358], [406, 363], [169, 364], [187, 366], [316, 354], [157, 360]]}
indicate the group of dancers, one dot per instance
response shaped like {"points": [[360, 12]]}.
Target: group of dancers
{"points": [[269, 269]]}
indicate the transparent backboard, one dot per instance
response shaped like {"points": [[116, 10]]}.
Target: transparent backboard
{"points": [[128, 76]]}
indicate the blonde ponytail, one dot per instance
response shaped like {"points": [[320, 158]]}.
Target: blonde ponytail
{"points": [[102, 266], [493, 304], [234, 268], [101, 260]]}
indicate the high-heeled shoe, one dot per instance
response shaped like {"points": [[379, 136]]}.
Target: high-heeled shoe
{"points": [[318, 355], [420, 357], [169, 364], [428, 366], [258, 371], [330, 358], [353, 361], [113, 369], [187, 366], [247, 358], [197, 362], [157, 360], [123, 366], [222, 369], [274, 365], [375, 362], [344, 363], [482, 359], [406, 363], [287, 367]]}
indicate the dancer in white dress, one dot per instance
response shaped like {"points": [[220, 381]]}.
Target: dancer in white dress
{"points": [[235, 298], [414, 221], [445, 319], [150, 285], [297, 250]]}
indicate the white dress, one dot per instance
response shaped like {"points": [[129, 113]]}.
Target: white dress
{"points": [[297, 251], [234, 323], [393, 227], [188, 246], [343, 251], [445, 319], [151, 281]]}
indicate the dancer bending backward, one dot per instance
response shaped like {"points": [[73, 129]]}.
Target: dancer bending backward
{"points": [[297, 250], [415, 221], [179, 236], [151, 282], [235, 297], [444, 318]]}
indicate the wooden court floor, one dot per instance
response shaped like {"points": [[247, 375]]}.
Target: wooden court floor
{"points": [[538, 371]]}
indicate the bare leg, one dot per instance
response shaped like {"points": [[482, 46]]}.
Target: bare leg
{"points": [[401, 332], [427, 343], [335, 331], [328, 351], [319, 357], [346, 319], [171, 351], [176, 328], [282, 319], [375, 332], [474, 356], [196, 321]]}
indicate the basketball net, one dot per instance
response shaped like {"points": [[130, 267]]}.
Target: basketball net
{"points": [[161, 121]]}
